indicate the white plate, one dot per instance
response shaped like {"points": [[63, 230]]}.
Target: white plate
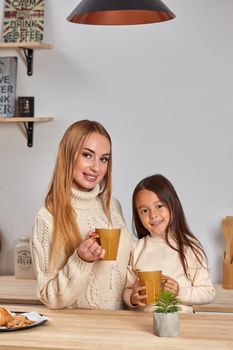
{"points": [[33, 316]]}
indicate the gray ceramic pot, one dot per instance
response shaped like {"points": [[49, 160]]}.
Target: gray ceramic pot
{"points": [[166, 325]]}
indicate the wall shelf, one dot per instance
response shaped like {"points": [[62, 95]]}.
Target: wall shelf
{"points": [[28, 124], [25, 119], [28, 49]]}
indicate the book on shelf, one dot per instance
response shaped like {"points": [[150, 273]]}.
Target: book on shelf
{"points": [[23, 21], [8, 75]]}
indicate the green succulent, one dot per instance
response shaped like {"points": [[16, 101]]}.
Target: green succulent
{"points": [[166, 302]]}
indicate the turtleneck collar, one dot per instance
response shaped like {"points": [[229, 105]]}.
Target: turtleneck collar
{"points": [[158, 237], [84, 199], [161, 237]]}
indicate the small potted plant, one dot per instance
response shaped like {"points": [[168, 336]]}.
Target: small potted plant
{"points": [[165, 315]]}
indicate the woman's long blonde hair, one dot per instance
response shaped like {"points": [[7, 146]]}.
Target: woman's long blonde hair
{"points": [[66, 233]]}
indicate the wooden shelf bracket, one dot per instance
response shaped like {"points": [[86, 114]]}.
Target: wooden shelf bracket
{"points": [[29, 132], [28, 53]]}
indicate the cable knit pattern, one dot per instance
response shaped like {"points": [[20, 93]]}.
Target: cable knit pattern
{"points": [[153, 253], [80, 284]]}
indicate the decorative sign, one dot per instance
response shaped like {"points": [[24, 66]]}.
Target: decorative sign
{"points": [[8, 73], [23, 20], [26, 106]]}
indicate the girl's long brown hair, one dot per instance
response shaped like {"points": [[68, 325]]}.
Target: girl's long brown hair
{"points": [[66, 235], [178, 226]]}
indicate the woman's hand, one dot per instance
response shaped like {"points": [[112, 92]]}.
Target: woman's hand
{"points": [[135, 297], [170, 285], [89, 250]]}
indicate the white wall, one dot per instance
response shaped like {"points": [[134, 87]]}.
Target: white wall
{"points": [[164, 92]]}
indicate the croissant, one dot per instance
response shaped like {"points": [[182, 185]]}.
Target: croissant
{"points": [[5, 317], [9, 321], [19, 321]]}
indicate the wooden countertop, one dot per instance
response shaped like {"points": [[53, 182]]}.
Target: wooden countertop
{"points": [[16, 291], [76, 329], [223, 301]]}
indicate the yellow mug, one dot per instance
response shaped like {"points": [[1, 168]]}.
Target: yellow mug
{"points": [[109, 239], [152, 281]]}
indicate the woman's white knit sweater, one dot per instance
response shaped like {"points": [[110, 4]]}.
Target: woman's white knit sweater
{"points": [[81, 284]]}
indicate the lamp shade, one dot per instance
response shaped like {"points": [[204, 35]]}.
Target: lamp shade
{"points": [[120, 12]]}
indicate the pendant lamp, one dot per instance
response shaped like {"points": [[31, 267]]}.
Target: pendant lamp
{"points": [[120, 12]]}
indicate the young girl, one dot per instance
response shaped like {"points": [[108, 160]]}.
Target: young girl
{"points": [[167, 244], [67, 260]]}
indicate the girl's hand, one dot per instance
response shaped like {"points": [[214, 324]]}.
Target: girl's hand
{"points": [[89, 250], [135, 297], [170, 285]]}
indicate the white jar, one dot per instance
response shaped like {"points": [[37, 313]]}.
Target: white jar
{"points": [[23, 260]]}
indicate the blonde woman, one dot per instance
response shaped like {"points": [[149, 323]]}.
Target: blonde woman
{"points": [[67, 260]]}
